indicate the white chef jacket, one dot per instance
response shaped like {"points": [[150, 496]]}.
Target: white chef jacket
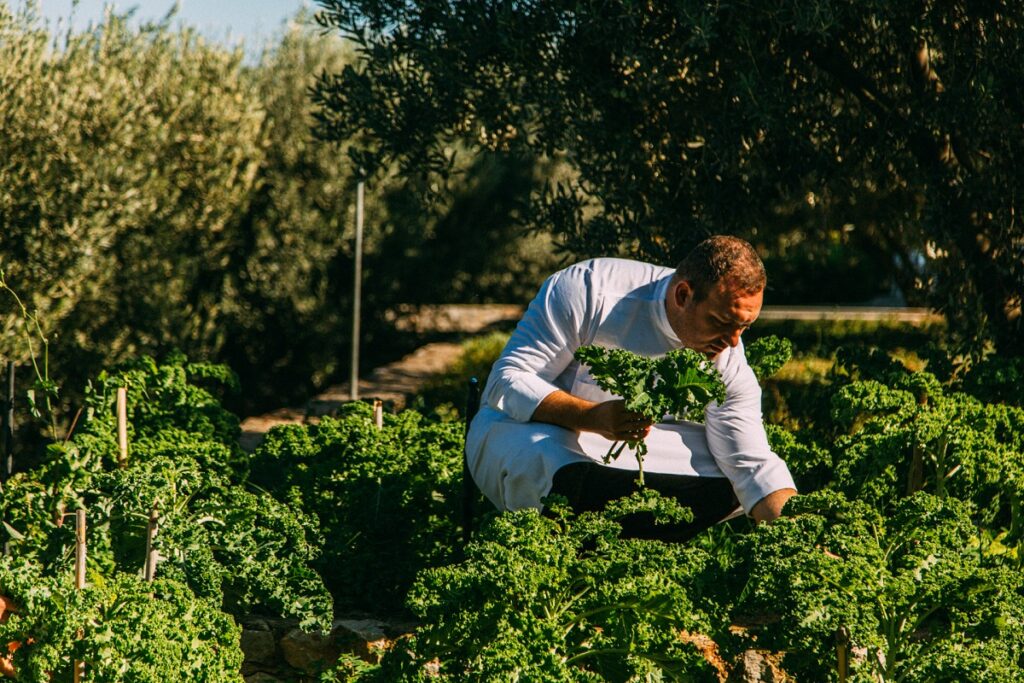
{"points": [[614, 303]]}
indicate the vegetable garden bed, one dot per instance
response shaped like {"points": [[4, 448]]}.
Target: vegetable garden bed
{"points": [[906, 538]]}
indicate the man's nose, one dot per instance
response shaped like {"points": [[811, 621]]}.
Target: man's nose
{"points": [[734, 337]]}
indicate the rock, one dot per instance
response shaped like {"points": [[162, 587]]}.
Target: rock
{"points": [[275, 646], [365, 629], [758, 666], [7, 607], [309, 652], [708, 649], [259, 646], [263, 677], [254, 623], [365, 638]]}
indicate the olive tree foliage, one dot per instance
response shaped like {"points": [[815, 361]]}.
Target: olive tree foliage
{"points": [[280, 304], [286, 308], [891, 127], [157, 192], [124, 155], [173, 284]]}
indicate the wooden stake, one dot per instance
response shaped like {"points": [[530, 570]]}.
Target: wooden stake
{"points": [[122, 426], [7, 438], [842, 643], [378, 414], [79, 549], [79, 666], [152, 557]]}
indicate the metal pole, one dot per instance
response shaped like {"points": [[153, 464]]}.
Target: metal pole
{"points": [[358, 292]]}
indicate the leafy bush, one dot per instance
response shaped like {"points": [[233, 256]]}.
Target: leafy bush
{"points": [[125, 630], [170, 407], [996, 379], [243, 548], [903, 432], [561, 599], [387, 498], [910, 587], [810, 463], [767, 355]]}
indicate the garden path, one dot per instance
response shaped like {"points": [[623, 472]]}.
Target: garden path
{"points": [[394, 382]]}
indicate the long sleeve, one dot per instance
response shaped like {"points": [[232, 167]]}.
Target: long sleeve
{"points": [[736, 436], [540, 348]]}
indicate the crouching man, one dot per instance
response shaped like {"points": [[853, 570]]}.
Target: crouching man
{"points": [[544, 424]]}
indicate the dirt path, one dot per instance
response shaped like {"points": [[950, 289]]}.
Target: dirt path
{"points": [[399, 380]]}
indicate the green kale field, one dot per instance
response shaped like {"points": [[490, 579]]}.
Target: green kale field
{"points": [[904, 547]]}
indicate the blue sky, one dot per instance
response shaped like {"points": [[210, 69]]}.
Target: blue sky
{"points": [[228, 21]]}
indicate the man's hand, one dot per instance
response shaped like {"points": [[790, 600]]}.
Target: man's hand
{"points": [[769, 508], [610, 419]]}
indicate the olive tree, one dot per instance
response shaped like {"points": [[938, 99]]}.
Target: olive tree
{"points": [[125, 154], [894, 128]]}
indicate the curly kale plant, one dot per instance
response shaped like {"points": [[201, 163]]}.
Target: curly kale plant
{"points": [[388, 499], [997, 379], [680, 383], [767, 355], [563, 599], [918, 600], [247, 550], [123, 629], [241, 547], [906, 433], [169, 407]]}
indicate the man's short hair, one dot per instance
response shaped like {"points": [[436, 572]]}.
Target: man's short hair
{"points": [[722, 257]]}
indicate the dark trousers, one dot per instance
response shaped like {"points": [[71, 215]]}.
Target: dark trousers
{"points": [[588, 486]]}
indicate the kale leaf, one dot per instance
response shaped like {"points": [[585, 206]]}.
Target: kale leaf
{"points": [[681, 383]]}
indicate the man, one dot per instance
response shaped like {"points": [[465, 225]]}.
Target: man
{"points": [[544, 424]]}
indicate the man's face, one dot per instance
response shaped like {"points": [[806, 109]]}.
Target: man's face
{"points": [[709, 326]]}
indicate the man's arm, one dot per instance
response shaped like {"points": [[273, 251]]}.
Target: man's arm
{"points": [[770, 507], [737, 440], [541, 347], [610, 419]]}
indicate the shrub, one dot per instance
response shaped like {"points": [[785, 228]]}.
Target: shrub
{"points": [[123, 629], [386, 498], [562, 599], [244, 549], [910, 587]]}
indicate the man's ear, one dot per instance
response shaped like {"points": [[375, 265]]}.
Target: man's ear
{"points": [[682, 292]]}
